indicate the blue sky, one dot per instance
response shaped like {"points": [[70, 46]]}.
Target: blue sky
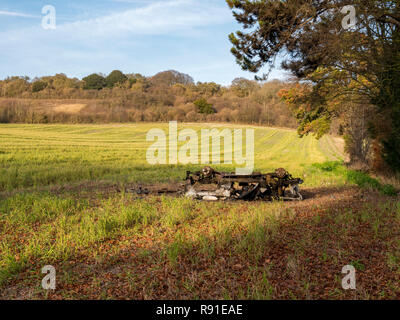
{"points": [[134, 36]]}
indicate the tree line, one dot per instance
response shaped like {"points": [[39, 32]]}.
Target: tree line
{"points": [[119, 97]]}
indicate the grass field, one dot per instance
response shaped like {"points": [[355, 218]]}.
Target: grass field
{"points": [[60, 205], [40, 155]]}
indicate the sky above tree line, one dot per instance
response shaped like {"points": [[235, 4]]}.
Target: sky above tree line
{"points": [[134, 36]]}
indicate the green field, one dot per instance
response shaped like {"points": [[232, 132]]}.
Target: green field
{"points": [[44, 155], [59, 205]]}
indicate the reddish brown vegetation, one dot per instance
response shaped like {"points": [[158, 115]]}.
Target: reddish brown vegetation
{"points": [[302, 258]]}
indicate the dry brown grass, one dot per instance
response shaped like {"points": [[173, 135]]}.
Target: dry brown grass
{"points": [[69, 108]]}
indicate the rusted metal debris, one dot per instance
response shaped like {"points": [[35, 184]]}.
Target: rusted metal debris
{"points": [[211, 185]]}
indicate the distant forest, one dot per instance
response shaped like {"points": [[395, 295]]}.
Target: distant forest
{"points": [[119, 97]]}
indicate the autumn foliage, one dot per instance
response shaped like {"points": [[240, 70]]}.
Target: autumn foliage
{"points": [[119, 97]]}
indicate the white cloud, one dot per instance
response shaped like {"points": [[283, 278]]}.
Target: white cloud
{"points": [[116, 40], [157, 18], [16, 14], [172, 17]]}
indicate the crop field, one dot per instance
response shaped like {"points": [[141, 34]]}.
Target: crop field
{"points": [[44, 155], [63, 203]]}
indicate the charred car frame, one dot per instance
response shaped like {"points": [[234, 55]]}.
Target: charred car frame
{"points": [[211, 185]]}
